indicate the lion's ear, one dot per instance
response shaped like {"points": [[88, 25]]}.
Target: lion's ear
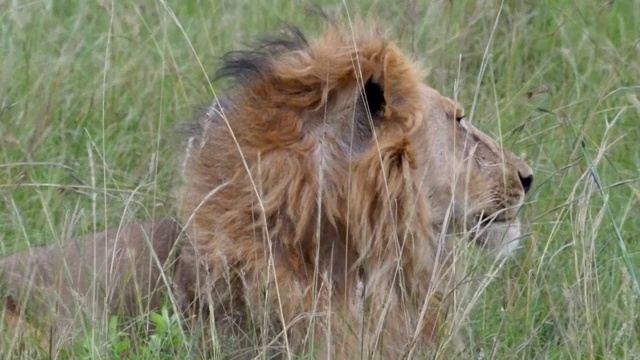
{"points": [[366, 118], [373, 97]]}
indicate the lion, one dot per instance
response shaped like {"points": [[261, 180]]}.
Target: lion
{"points": [[318, 193]]}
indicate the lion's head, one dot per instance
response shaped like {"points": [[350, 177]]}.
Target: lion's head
{"points": [[319, 184], [472, 176]]}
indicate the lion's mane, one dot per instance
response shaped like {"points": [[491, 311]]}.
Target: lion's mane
{"points": [[305, 219]]}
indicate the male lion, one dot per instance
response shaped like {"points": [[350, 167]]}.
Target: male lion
{"points": [[318, 192]]}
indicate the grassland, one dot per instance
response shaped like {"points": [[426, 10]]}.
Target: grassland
{"points": [[90, 94]]}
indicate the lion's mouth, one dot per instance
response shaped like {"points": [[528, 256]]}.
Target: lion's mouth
{"points": [[483, 220], [499, 232]]}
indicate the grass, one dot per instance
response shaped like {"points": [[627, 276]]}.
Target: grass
{"points": [[90, 93]]}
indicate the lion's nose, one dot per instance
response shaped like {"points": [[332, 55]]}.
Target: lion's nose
{"points": [[526, 179]]}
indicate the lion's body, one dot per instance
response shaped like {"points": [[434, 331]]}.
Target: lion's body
{"points": [[315, 192], [60, 289]]}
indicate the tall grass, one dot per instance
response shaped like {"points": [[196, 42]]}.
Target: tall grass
{"points": [[90, 93]]}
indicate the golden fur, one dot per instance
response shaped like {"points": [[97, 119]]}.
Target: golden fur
{"points": [[315, 193]]}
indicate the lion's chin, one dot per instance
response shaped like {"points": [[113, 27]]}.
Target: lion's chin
{"points": [[501, 237]]}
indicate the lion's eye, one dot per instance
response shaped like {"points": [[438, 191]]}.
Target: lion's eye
{"points": [[463, 122]]}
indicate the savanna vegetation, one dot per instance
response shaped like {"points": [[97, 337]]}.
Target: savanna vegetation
{"points": [[91, 94]]}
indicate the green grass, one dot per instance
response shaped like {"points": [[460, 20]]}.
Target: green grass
{"points": [[90, 93]]}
